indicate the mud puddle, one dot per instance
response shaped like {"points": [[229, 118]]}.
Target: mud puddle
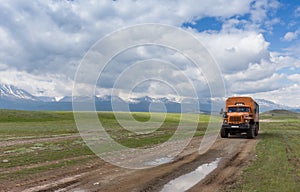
{"points": [[187, 181]]}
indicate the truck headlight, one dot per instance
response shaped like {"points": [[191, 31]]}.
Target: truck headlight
{"points": [[246, 121], [225, 121]]}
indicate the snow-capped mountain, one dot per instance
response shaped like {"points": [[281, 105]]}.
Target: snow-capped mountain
{"points": [[12, 97], [148, 99], [12, 92], [266, 105]]}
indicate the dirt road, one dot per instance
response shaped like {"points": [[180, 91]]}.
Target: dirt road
{"points": [[98, 175]]}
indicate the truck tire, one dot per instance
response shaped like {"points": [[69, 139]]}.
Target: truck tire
{"points": [[224, 133], [251, 132], [256, 129]]}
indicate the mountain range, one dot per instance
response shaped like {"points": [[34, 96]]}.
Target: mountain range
{"points": [[12, 97]]}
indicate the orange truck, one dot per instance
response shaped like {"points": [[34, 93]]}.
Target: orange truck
{"points": [[241, 116]]}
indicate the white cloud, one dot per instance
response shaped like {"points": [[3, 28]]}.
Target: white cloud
{"points": [[293, 51], [282, 61], [297, 12], [262, 16], [154, 68], [270, 23], [235, 51], [289, 36], [46, 85], [42, 43], [254, 72], [295, 78], [40, 39], [259, 9], [287, 95], [51, 38], [265, 85]]}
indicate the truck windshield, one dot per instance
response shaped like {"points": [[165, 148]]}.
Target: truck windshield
{"points": [[238, 109]]}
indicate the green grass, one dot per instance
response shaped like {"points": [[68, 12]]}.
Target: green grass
{"points": [[17, 129], [43, 152], [16, 124], [160, 134], [26, 125], [33, 116], [276, 166]]}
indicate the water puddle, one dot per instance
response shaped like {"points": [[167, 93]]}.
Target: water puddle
{"points": [[159, 161], [187, 181]]}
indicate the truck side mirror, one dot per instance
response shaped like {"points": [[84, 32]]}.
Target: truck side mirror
{"points": [[225, 115], [221, 112]]}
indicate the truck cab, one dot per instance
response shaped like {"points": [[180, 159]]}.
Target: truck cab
{"points": [[241, 116]]}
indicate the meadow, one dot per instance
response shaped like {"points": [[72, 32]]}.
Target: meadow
{"points": [[276, 166], [36, 142]]}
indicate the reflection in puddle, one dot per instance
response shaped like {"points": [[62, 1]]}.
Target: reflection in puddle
{"points": [[159, 161], [187, 181]]}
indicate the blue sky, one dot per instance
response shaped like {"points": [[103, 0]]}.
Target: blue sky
{"points": [[255, 43], [288, 14]]}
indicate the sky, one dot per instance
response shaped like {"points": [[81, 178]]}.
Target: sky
{"points": [[256, 45]]}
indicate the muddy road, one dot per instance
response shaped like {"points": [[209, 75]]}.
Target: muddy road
{"points": [[97, 175]]}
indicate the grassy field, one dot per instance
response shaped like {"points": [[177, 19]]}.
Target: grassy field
{"points": [[52, 140], [276, 166], [36, 142]]}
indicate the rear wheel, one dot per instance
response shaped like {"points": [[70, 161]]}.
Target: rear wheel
{"points": [[224, 133], [251, 132]]}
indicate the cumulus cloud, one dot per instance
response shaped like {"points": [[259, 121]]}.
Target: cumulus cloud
{"points": [[254, 72], [260, 9], [289, 36], [283, 61], [235, 51], [42, 43], [285, 95], [265, 85], [46, 85], [295, 78], [51, 38], [149, 69]]}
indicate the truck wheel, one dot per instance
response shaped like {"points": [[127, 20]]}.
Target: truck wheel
{"points": [[224, 133], [251, 132], [256, 130]]}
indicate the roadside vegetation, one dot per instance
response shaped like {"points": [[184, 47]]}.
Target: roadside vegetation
{"points": [[276, 166]]}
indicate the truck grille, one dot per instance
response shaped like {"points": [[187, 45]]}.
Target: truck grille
{"points": [[235, 119]]}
